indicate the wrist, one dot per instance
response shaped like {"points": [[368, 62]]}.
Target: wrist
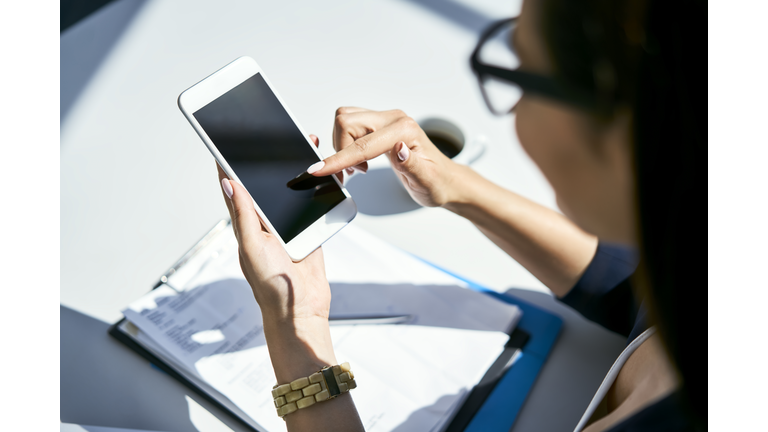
{"points": [[462, 184], [299, 347]]}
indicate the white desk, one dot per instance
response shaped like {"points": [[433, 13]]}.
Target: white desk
{"points": [[138, 188]]}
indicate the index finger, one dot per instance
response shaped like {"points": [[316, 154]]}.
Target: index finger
{"points": [[364, 148]]}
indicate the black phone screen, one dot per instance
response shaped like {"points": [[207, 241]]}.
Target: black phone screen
{"points": [[268, 153]]}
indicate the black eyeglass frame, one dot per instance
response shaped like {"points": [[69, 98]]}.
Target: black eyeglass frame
{"points": [[529, 82]]}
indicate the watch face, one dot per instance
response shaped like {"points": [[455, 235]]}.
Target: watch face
{"points": [[330, 382]]}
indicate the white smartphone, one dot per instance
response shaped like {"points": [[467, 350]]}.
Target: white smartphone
{"points": [[258, 143]]}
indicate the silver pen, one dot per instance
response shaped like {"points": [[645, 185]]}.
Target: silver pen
{"points": [[369, 319]]}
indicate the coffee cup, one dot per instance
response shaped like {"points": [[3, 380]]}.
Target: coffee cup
{"points": [[451, 141]]}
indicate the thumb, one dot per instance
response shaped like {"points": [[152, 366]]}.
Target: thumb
{"points": [[404, 160], [244, 216]]}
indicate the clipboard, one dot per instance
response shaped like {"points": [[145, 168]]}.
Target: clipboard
{"points": [[493, 404]]}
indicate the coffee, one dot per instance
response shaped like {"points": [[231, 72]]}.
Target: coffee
{"points": [[446, 145], [446, 136]]}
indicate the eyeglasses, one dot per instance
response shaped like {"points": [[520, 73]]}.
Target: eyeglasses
{"points": [[502, 85]]}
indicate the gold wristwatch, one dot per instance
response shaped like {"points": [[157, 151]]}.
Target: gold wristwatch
{"points": [[325, 384]]}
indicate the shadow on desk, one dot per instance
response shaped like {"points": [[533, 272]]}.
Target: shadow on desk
{"points": [[84, 46], [379, 193], [104, 383]]}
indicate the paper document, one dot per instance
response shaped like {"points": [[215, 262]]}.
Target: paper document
{"points": [[410, 376]]}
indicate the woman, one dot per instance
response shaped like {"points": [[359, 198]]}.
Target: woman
{"points": [[606, 117]]}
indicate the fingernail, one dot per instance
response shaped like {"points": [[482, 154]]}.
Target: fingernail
{"points": [[403, 153], [315, 167], [227, 188], [350, 171]]}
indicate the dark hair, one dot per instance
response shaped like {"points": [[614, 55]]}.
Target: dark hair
{"points": [[647, 55]]}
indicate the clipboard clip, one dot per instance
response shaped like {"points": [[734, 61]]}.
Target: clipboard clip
{"points": [[202, 243]]}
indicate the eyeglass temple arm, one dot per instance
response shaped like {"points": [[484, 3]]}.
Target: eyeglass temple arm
{"points": [[534, 83]]}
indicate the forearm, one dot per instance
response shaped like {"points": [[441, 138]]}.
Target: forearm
{"points": [[545, 242], [298, 350]]}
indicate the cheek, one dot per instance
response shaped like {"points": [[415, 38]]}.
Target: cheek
{"points": [[553, 139], [526, 129], [536, 131]]}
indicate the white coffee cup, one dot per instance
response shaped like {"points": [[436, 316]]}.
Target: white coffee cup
{"points": [[451, 140]]}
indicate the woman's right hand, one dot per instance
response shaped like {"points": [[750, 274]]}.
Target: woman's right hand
{"points": [[360, 135]]}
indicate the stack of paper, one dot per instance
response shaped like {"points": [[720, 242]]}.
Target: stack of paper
{"points": [[206, 324]]}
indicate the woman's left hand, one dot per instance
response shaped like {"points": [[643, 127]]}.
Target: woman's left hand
{"points": [[285, 290], [294, 297]]}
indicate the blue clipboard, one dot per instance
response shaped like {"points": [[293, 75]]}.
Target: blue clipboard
{"points": [[502, 406]]}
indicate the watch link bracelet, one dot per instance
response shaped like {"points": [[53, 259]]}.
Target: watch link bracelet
{"points": [[322, 385]]}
